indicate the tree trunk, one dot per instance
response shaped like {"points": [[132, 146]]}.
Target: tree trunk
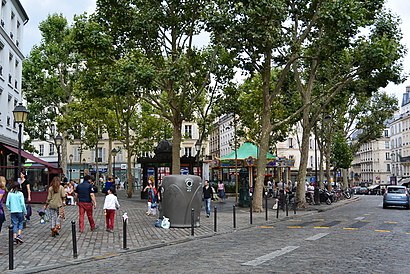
{"points": [[266, 128], [109, 162], [176, 146], [130, 179], [304, 157], [345, 183]]}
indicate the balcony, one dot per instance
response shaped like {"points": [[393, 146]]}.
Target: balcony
{"points": [[405, 159]]}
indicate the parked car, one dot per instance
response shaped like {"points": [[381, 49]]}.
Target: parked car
{"points": [[396, 196], [362, 190]]}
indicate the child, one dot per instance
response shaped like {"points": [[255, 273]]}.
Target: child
{"points": [[110, 205], [16, 206]]}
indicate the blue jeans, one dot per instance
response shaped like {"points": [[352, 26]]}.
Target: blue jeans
{"points": [[17, 220], [208, 206]]}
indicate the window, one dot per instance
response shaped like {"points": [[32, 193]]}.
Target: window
{"points": [[386, 144], [41, 150], [188, 151], [386, 133], [188, 131], [51, 149], [8, 121], [290, 142]]}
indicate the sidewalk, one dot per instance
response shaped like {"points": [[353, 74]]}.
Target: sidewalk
{"points": [[40, 251]]}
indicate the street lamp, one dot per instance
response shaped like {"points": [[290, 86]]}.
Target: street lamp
{"points": [[20, 117], [71, 164], [58, 141], [113, 153], [197, 148]]}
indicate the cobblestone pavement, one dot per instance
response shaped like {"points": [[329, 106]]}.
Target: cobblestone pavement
{"points": [[41, 252]]}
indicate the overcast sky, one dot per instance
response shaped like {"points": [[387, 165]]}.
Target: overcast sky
{"points": [[38, 10]]}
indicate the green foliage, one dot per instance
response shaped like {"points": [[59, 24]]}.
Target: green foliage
{"points": [[342, 155]]}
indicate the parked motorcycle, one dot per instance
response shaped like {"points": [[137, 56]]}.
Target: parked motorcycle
{"points": [[325, 196]]}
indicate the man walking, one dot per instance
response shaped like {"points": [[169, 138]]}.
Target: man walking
{"points": [[86, 202]]}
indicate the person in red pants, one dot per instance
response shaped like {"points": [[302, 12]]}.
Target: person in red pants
{"points": [[110, 206], [86, 203]]}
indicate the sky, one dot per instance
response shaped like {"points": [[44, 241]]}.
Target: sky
{"points": [[38, 10]]}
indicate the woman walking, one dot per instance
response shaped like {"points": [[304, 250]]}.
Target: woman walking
{"points": [[55, 202], [16, 206], [2, 199]]}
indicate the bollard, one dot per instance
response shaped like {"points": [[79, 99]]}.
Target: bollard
{"points": [[250, 209], [277, 209], [215, 218], [11, 244], [192, 221], [124, 230], [234, 216], [287, 204], [294, 204], [266, 206], [74, 238]]}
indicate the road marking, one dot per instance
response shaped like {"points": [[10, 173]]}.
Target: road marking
{"points": [[294, 226], [270, 256], [350, 228], [382, 230], [317, 237], [266, 226], [321, 227], [390, 222], [359, 218]]}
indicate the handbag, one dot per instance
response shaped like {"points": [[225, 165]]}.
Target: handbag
{"points": [[2, 215]]}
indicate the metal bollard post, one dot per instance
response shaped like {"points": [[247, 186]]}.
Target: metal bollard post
{"points": [[277, 209], [287, 204], [250, 210], [294, 204], [124, 230], [192, 221], [266, 206], [234, 216], [215, 211], [74, 239], [11, 245]]}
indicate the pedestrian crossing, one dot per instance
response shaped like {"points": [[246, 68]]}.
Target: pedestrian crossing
{"points": [[355, 224]]}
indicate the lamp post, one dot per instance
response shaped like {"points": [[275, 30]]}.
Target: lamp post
{"points": [[58, 141], [20, 117], [71, 164], [113, 153], [197, 148], [83, 167]]}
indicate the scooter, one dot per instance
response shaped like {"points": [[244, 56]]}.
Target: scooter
{"points": [[325, 196]]}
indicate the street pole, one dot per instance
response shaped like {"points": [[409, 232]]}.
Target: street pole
{"points": [[20, 116], [316, 193], [19, 156]]}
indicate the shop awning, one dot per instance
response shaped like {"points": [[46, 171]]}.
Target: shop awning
{"points": [[245, 151], [51, 168]]}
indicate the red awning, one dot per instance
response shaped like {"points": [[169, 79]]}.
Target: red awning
{"points": [[51, 168]]}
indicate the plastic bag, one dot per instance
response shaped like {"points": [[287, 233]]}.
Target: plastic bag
{"points": [[165, 223]]}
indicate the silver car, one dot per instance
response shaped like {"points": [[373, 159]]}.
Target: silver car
{"points": [[396, 196]]}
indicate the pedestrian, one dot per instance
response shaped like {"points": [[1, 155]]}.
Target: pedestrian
{"points": [[110, 206], [25, 188], [2, 199], [17, 208], [160, 192], [221, 191], [55, 204], [152, 197], [86, 203], [110, 182], [207, 196]]}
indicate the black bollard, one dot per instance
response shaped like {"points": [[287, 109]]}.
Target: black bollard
{"points": [[192, 221], [234, 216], [250, 210], [266, 206], [215, 218], [124, 233], [277, 209], [74, 237], [287, 204], [11, 245], [294, 204]]}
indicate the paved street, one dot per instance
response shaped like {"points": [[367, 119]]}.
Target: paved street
{"points": [[227, 250]]}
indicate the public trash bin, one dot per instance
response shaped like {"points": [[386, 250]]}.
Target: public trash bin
{"points": [[182, 193]]}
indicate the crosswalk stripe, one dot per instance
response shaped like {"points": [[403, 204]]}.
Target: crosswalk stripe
{"points": [[270, 256]]}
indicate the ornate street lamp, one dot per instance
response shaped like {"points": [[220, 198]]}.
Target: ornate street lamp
{"points": [[113, 153], [20, 116], [197, 148], [71, 164], [58, 141]]}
